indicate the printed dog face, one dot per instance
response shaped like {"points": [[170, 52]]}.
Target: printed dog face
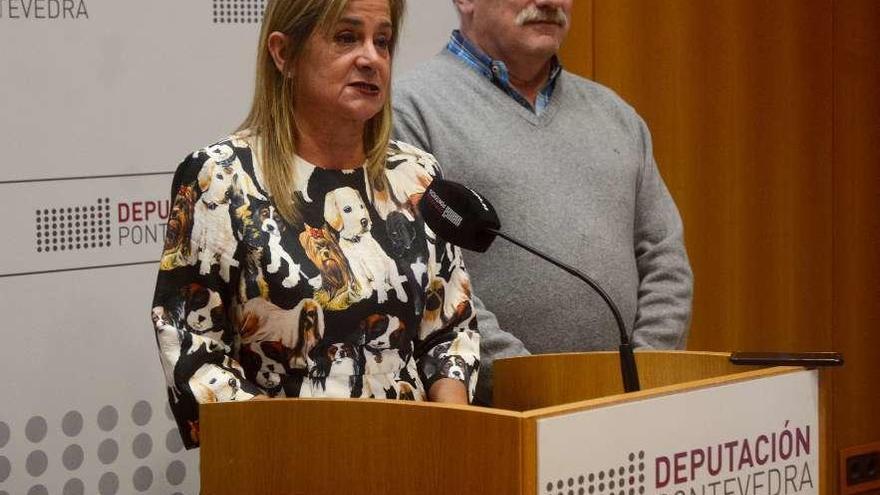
{"points": [[326, 255], [180, 222], [383, 331], [216, 183], [346, 213], [337, 353], [204, 308], [455, 367], [310, 326], [435, 296], [435, 299], [342, 357], [268, 223], [212, 383], [222, 176], [401, 232]]}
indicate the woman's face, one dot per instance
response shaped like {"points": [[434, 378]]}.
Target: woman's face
{"points": [[344, 73]]}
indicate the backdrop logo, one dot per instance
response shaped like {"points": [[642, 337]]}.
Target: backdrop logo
{"points": [[627, 478], [239, 11], [73, 228], [89, 226], [43, 9]]}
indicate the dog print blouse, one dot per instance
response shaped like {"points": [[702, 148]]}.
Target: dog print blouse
{"points": [[358, 298]]}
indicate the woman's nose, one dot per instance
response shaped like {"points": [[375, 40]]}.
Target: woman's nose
{"points": [[368, 56]]}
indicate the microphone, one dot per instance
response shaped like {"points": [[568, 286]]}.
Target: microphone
{"points": [[466, 219], [459, 215]]}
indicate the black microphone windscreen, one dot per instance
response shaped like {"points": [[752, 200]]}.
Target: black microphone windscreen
{"points": [[459, 215]]}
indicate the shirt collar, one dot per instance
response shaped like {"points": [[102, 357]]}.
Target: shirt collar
{"points": [[496, 70]]}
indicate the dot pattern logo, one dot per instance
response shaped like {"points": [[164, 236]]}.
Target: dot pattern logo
{"points": [[239, 11], [73, 228], [626, 479]]}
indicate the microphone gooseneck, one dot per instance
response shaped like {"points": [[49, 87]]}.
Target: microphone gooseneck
{"points": [[628, 369], [466, 219]]}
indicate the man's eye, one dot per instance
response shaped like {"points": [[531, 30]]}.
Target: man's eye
{"points": [[347, 209]]}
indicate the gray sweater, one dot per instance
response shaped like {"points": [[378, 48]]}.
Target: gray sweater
{"points": [[579, 182]]}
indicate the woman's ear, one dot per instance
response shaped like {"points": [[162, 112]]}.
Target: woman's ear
{"points": [[278, 49]]}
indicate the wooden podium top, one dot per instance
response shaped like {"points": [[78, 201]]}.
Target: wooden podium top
{"points": [[573, 377]]}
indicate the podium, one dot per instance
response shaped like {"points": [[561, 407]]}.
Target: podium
{"points": [[561, 425]]}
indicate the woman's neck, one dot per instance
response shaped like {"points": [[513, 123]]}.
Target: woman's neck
{"points": [[331, 144]]}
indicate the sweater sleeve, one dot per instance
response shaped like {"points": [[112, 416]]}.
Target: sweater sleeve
{"points": [[495, 343], [665, 278], [193, 292]]}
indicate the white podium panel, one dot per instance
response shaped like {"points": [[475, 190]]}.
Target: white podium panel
{"points": [[756, 437]]}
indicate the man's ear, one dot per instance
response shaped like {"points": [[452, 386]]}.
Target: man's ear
{"points": [[277, 45], [465, 7]]}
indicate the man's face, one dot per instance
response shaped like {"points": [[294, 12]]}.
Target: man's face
{"points": [[520, 28]]}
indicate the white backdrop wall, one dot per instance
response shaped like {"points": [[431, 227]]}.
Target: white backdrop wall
{"points": [[99, 101]]}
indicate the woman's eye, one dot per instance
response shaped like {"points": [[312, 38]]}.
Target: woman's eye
{"points": [[383, 42], [346, 38]]}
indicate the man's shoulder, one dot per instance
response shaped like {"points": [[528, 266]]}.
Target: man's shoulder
{"points": [[594, 92], [428, 76], [583, 93]]}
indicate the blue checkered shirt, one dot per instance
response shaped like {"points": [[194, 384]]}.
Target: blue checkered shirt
{"points": [[496, 71]]}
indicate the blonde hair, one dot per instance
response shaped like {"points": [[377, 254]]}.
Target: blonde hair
{"points": [[272, 118]]}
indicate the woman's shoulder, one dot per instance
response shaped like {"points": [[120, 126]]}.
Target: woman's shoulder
{"points": [[408, 173], [224, 151], [230, 159], [400, 153]]}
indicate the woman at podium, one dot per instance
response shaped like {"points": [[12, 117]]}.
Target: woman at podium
{"points": [[296, 263]]}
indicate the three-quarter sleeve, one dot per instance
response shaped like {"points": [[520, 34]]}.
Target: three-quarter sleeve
{"points": [[449, 340], [197, 271], [448, 344]]}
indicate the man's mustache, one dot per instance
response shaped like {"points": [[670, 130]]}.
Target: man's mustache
{"points": [[533, 14]]}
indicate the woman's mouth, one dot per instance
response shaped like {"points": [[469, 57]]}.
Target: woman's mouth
{"points": [[366, 88]]}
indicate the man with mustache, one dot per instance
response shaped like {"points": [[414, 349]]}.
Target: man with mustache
{"points": [[570, 169]]}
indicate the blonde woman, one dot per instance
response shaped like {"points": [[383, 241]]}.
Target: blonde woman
{"points": [[296, 263]]}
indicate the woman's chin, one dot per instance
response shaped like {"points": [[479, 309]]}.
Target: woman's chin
{"points": [[360, 112]]}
